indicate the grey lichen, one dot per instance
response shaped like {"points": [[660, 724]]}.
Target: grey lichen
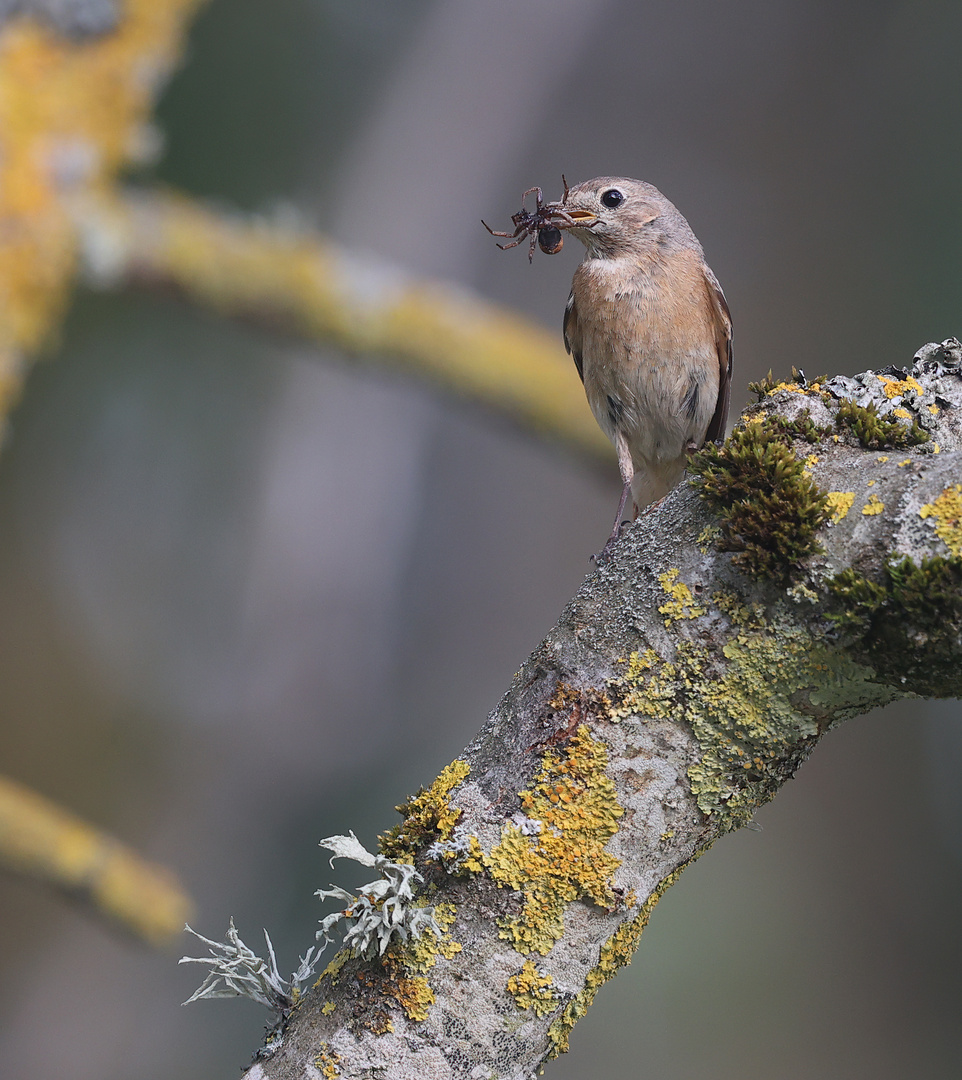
{"points": [[383, 910], [237, 971]]}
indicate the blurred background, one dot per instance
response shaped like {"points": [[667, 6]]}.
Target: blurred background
{"points": [[252, 596]]}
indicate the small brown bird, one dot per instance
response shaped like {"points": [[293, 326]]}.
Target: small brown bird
{"points": [[649, 330]]}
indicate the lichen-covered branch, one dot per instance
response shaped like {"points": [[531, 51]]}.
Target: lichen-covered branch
{"points": [[73, 111], [811, 570], [49, 844], [294, 280]]}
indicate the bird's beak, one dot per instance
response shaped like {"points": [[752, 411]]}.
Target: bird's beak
{"points": [[563, 218]]}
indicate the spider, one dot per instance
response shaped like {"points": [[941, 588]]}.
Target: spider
{"points": [[541, 226]]}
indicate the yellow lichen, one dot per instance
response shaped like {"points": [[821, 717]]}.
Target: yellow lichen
{"points": [[682, 603], [405, 965], [419, 955], [873, 506], [428, 815], [947, 511], [379, 1024], [902, 414], [531, 990], [747, 721], [839, 503], [70, 112], [333, 969], [328, 1062], [899, 387], [575, 803], [615, 954], [708, 537], [810, 462], [907, 461], [414, 996], [327, 1008], [933, 409], [311, 286], [792, 387], [882, 459]]}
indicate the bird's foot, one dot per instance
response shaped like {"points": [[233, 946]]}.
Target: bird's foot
{"points": [[601, 557]]}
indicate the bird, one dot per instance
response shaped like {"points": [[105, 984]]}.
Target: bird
{"points": [[649, 329]]}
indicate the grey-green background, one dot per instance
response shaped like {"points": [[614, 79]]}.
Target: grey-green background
{"points": [[250, 597]]}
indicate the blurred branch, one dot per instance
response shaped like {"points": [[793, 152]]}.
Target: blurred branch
{"points": [[809, 579], [44, 842], [301, 283], [76, 85]]}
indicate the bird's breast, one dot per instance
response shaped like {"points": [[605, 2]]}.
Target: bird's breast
{"points": [[649, 352]]}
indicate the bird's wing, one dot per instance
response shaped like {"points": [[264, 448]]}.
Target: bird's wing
{"points": [[723, 346], [571, 329]]}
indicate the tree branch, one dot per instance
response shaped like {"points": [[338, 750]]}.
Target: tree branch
{"points": [[47, 843], [684, 684], [299, 282]]}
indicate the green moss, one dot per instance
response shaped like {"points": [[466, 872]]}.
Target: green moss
{"points": [[908, 623], [763, 387], [802, 427], [876, 432], [769, 508]]}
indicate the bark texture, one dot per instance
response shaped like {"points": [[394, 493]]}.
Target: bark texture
{"points": [[811, 571]]}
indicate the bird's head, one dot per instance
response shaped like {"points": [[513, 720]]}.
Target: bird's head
{"points": [[614, 216]]}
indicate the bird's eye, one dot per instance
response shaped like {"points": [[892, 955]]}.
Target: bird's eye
{"points": [[612, 198]]}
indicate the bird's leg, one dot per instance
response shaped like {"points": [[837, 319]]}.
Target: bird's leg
{"points": [[627, 472]]}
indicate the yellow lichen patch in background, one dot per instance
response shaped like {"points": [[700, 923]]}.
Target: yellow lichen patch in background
{"points": [[575, 803], [70, 113], [839, 504], [873, 506], [39, 839], [682, 603], [947, 511], [898, 387], [532, 990], [810, 462]]}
